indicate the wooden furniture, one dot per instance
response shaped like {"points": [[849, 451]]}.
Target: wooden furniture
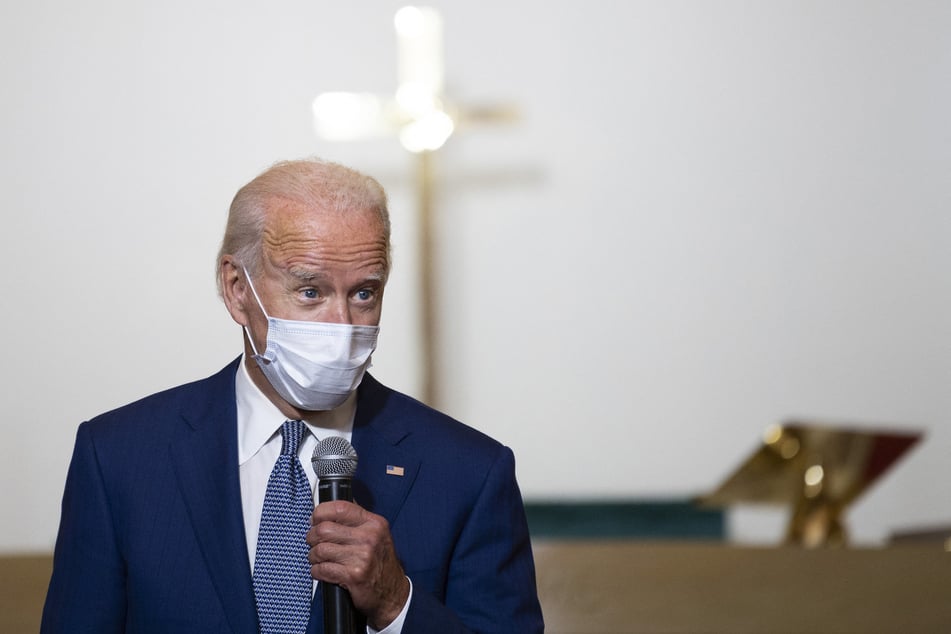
{"points": [[23, 583], [627, 586], [601, 587]]}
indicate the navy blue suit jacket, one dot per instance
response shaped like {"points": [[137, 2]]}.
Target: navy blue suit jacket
{"points": [[152, 538]]}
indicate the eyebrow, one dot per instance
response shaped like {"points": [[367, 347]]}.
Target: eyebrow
{"points": [[302, 274], [309, 275], [378, 276]]}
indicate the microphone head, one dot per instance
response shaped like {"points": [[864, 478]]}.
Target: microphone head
{"points": [[334, 457]]}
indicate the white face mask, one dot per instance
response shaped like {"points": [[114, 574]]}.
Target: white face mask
{"points": [[314, 366]]}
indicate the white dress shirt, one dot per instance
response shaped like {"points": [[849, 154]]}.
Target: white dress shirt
{"points": [[259, 445]]}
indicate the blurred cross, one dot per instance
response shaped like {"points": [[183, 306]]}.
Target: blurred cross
{"points": [[424, 119]]}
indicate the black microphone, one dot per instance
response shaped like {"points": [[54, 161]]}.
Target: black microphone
{"points": [[335, 462]]}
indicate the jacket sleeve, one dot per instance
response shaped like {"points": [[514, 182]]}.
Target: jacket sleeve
{"points": [[491, 584], [87, 588]]}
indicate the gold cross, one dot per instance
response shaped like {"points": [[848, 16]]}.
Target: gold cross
{"points": [[423, 118]]}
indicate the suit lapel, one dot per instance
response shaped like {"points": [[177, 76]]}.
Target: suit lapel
{"points": [[376, 486], [204, 455], [385, 472]]}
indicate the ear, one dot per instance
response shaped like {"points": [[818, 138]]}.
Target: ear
{"points": [[234, 289]]}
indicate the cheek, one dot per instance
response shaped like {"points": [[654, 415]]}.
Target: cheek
{"points": [[369, 316]]}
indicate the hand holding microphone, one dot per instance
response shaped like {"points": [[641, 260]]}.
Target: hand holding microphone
{"points": [[351, 550], [335, 462]]}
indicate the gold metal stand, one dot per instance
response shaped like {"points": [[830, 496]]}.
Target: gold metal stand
{"points": [[818, 470]]}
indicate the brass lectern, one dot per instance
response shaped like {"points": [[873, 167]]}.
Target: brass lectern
{"points": [[816, 469]]}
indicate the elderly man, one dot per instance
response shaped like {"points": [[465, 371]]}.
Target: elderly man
{"points": [[190, 510]]}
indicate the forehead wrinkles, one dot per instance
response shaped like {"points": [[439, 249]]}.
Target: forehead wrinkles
{"points": [[305, 243]]}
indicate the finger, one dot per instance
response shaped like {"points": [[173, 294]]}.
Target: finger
{"points": [[357, 554], [342, 565], [326, 532], [328, 554], [340, 512], [330, 572]]}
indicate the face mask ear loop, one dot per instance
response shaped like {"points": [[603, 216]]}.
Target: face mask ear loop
{"points": [[260, 305]]}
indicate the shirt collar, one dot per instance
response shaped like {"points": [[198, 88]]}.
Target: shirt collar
{"points": [[259, 419]]}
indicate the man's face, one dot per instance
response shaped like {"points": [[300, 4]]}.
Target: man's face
{"points": [[319, 266]]}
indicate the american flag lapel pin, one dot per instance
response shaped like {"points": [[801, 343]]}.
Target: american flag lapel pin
{"points": [[394, 470]]}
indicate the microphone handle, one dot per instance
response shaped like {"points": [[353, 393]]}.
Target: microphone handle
{"points": [[338, 608]]}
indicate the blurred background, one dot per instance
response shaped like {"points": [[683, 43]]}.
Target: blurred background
{"points": [[707, 218]]}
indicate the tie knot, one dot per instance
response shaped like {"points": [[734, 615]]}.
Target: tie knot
{"points": [[291, 431]]}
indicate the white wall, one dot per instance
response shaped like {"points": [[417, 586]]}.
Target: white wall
{"points": [[711, 217]]}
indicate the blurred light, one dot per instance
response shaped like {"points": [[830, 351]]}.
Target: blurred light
{"points": [[786, 444], [420, 48], [417, 111], [789, 447], [416, 100], [409, 21], [427, 133], [772, 434], [814, 475]]}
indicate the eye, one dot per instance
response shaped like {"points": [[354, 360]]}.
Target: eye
{"points": [[310, 293], [366, 295]]}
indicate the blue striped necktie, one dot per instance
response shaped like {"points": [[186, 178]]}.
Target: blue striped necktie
{"points": [[282, 581]]}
